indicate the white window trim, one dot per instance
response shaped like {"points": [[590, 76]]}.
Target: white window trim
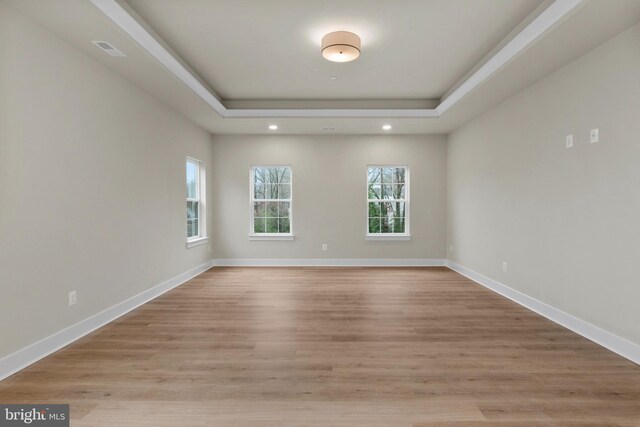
{"points": [[270, 236], [201, 191], [389, 236], [196, 241]]}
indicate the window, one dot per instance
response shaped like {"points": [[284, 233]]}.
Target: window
{"points": [[271, 202], [196, 222], [387, 202]]}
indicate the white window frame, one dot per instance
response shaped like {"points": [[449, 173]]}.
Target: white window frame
{"points": [[201, 192], [407, 222], [269, 236]]}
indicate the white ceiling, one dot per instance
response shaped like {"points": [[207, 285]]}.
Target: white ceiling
{"points": [[411, 49], [217, 38]]}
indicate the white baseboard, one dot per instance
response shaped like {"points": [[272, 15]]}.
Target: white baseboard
{"points": [[326, 262], [621, 346], [36, 351], [24, 357]]}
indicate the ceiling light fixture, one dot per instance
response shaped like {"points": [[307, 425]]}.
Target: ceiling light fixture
{"points": [[273, 127], [386, 127], [341, 46]]}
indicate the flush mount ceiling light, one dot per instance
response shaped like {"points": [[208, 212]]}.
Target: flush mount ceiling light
{"points": [[386, 127], [273, 127], [341, 46]]}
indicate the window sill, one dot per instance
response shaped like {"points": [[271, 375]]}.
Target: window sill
{"points": [[197, 242], [392, 237], [271, 237]]}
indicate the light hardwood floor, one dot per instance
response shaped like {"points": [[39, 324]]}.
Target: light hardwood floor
{"points": [[333, 346]]}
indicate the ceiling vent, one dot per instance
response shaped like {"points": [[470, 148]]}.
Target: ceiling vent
{"points": [[108, 48], [326, 129]]}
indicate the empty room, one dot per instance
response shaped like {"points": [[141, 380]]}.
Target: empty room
{"points": [[319, 213]]}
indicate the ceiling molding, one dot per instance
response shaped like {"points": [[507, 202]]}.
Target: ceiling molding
{"points": [[137, 30], [123, 19], [552, 15], [315, 104], [327, 112]]}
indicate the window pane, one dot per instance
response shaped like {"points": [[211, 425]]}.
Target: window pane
{"points": [[385, 208], [273, 175], [259, 191], [271, 191], [271, 209], [259, 225], [374, 225], [374, 209], [397, 209], [272, 225], [398, 191], [283, 209], [192, 227], [398, 225], [373, 175], [284, 175], [375, 191], [386, 224], [192, 179], [284, 191], [259, 209], [259, 176], [387, 175], [192, 210], [387, 191], [284, 226], [398, 175]]}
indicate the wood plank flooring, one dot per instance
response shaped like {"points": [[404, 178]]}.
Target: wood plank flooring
{"points": [[333, 346]]}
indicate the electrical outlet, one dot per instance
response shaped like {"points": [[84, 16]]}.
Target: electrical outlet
{"points": [[324, 247], [595, 135], [73, 298], [569, 141], [504, 266]]}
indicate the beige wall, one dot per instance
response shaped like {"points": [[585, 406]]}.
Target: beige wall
{"points": [[329, 195], [92, 186], [565, 221]]}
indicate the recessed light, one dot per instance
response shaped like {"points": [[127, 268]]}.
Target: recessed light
{"points": [[273, 127], [333, 78], [386, 127]]}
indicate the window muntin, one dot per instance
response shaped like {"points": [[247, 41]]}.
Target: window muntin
{"points": [[271, 200], [195, 182], [388, 200]]}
